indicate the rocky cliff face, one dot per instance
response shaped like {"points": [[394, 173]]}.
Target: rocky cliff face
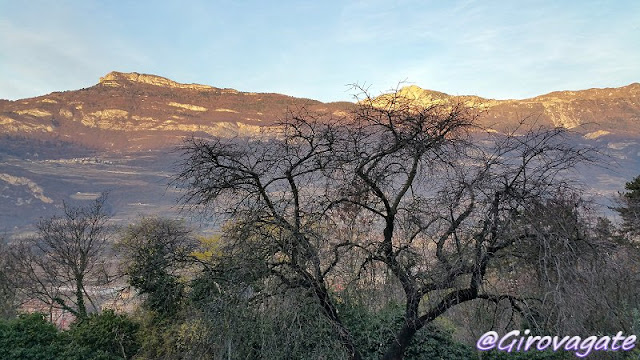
{"points": [[117, 79], [593, 112]]}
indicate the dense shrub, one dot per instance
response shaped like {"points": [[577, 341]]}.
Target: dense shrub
{"points": [[373, 329], [30, 337], [106, 336]]}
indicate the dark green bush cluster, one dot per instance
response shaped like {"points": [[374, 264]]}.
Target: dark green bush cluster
{"points": [[106, 336]]}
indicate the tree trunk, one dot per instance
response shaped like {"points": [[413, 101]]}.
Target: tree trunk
{"points": [[82, 309], [400, 344], [332, 314]]}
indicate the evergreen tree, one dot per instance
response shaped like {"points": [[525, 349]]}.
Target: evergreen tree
{"points": [[629, 208]]}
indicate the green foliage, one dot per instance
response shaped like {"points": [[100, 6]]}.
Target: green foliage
{"points": [[634, 189], [164, 291], [372, 330], [231, 325], [528, 355], [629, 208], [114, 335], [7, 284], [158, 337], [435, 343], [30, 337], [635, 329], [155, 250], [106, 336]]}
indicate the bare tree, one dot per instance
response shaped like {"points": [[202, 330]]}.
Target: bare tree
{"points": [[441, 212], [66, 260]]}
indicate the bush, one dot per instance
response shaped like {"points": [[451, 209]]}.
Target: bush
{"points": [[533, 355], [107, 335], [30, 337], [372, 331]]}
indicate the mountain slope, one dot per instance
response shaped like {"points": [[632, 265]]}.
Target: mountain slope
{"points": [[119, 136], [136, 111], [131, 111], [592, 112]]}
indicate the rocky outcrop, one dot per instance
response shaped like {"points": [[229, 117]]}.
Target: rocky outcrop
{"points": [[116, 79], [34, 188], [610, 110]]}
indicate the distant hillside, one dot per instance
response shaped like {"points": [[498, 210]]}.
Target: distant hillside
{"points": [[136, 111], [118, 136], [593, 112], [131, 111]]}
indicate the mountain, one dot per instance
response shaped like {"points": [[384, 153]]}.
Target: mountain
{"points": [[119, 136], [131, 111], [593, 112]]}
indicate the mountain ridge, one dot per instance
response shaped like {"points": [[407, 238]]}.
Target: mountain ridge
{"points": [[135, 111], [113, 78], [120, 134]]}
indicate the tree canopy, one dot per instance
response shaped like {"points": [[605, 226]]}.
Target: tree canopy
{"points": [[417, 196]]}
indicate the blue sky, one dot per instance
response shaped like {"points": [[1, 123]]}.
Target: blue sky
{"points": [[314, 49]]}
